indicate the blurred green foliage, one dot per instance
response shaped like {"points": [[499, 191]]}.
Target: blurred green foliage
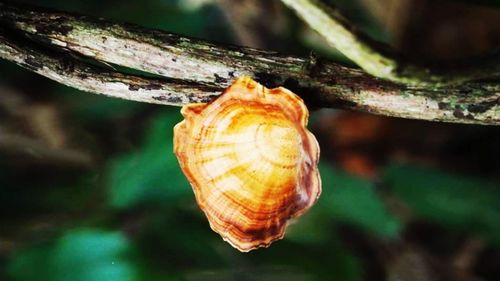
{"points": [[174, 239], [463, 203], [79, 255], [151, 173], [353, 200]]}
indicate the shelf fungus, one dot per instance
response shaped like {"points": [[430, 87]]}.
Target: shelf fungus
{"points": [[250, 160]]}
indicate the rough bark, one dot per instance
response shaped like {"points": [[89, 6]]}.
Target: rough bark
{"points": [[66, 47]]}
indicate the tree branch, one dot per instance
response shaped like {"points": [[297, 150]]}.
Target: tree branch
{"points": [[379, 60], [196, 71], [65, 69]]}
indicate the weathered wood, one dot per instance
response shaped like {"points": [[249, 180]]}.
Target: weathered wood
{"points": [[196, 71]]}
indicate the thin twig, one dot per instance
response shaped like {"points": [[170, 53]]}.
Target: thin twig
{"points": [[35, 150], [379, 60], [196, 71]]}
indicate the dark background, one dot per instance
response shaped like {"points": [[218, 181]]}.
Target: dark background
{"points": [[90, 189]]}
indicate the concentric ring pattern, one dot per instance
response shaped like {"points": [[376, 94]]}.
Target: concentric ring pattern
{"points": [[250, 160]]}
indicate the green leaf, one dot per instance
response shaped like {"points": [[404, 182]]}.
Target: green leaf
{"points": [[354, 200], [80, 255], [464, 203], [33, 259], [151, 174]]}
